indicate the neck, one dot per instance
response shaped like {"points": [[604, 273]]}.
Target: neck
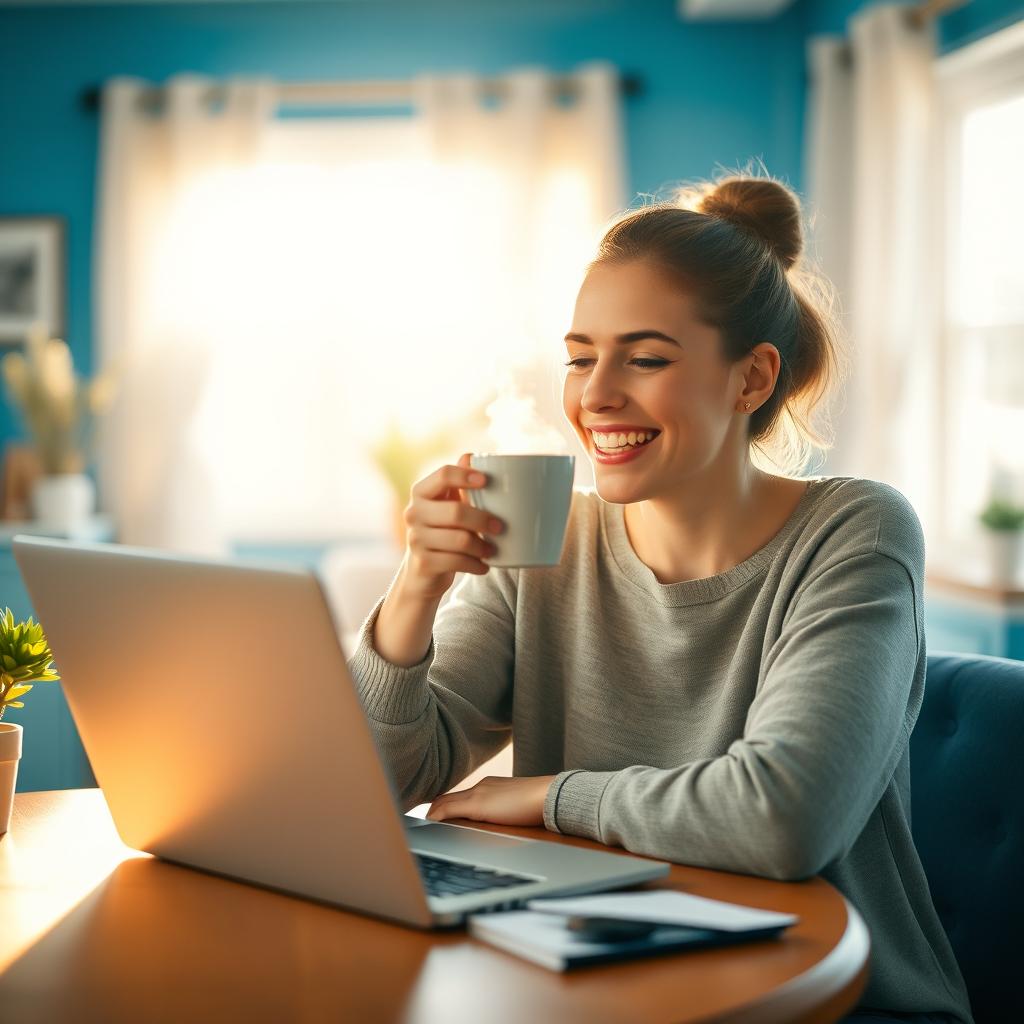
{"points": [[705, 526]]}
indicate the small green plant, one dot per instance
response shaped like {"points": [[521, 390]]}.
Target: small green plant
{"points": [[25, 658], [1002, 515], [399, 457]]}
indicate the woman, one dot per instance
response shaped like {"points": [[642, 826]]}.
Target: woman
{"points": [[725, 667]]}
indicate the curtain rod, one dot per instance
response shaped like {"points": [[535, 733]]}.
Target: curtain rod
{"points": [[393, 93], [924, 11], [917, 17]]}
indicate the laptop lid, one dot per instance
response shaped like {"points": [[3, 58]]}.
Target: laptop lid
{"points": [[220, 721]]}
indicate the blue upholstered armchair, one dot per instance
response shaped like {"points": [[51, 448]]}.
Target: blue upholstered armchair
{"points": [[967, 806]]}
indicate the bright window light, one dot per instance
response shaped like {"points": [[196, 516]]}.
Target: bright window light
{"points": [[991, 271], [986, 313], [345, 281]]}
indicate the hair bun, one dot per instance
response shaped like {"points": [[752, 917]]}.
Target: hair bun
{"points": [[761, 207]]}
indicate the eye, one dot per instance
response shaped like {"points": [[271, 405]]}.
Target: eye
{"points": [[642, 362]]}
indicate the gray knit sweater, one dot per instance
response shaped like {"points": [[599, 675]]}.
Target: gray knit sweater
{"points": [[754, 721]]}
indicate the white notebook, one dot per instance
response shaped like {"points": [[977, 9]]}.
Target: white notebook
{"points": [[668, 907], [545, 939]]}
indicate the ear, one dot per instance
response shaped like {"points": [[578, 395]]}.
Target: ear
{"points": [[762, 371]]}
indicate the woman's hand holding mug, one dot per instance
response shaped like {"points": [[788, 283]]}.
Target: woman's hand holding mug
{"points": [[443, 538], [443, 535]]}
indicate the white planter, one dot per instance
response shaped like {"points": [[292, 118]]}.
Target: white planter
{"points": [[63, 501], [1005, 550], [10, 754]]}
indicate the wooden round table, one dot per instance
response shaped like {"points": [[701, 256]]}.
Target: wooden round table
{"points": [[93, 931]]}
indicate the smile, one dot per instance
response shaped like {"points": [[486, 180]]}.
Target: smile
{"points": [[616, 440], [614, 448]]}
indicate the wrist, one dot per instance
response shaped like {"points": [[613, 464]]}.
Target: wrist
{"points": [[404, 628], [411, 595]]}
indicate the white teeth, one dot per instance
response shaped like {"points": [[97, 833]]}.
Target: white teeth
{"points": [[612, 442]]}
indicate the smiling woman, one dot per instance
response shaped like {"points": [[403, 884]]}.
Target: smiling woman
{"points": [[719, 267], [733, 371], [726, 665]]}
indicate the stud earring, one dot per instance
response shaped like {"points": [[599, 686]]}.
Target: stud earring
{"points": [[746, 405]]}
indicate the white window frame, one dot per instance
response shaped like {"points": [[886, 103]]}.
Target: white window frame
{"points": [[980, 74]]}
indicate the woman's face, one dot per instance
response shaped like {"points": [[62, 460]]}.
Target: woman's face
{"points": [[641, 364]]}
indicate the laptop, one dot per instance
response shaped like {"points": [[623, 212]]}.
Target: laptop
{"points": [[215, 704]]}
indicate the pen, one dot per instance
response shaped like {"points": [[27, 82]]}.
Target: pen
{"points": [[609, 929]]}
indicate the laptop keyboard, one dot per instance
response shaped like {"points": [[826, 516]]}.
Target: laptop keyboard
{"points": [[448, 878]]}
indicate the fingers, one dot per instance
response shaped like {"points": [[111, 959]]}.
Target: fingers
{"points": [[451, 805], [449, 478], [460, 542], [436, 563], [436, 501], [443, 528], [466, 803], [451, 515], [459, 804]]}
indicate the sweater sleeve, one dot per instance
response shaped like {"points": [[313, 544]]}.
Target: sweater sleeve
{"points": [[438, 720], [840, 691]]}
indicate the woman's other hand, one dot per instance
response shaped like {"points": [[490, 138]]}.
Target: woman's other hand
{"points": [[499, 800]]}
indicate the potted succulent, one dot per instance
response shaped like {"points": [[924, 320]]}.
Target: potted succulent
{"points": [[60, 411], [1004, 528], [25, 659]]}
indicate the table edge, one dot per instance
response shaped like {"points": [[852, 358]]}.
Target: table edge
{"points": [[844, 968]]}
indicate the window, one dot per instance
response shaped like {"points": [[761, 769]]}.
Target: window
{"points": [[982, 111], [349, 283]]}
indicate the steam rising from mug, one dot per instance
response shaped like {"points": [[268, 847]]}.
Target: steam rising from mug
{"points": [[515, 426]]}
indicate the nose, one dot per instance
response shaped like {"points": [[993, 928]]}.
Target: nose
{"points": [[603, 390]]}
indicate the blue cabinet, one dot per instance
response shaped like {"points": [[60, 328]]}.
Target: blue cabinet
{"points": [[972, 618], [52, 755]]}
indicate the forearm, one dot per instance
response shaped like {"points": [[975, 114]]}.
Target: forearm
{"points": [[401, 710], [404, 625], [730, 814], [437, 719]]}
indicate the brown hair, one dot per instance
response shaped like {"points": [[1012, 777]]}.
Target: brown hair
{"points": [[737, 245]]}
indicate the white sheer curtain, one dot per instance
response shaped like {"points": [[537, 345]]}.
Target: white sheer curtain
{"points": [[149, 321], [871, 164], [290, 286], [544, 178]]}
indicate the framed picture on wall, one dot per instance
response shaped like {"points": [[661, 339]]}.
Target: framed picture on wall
{"points": [[32, 276]]}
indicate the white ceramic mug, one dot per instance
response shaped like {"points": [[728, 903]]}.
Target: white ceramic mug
{"points": [[531, 495]]}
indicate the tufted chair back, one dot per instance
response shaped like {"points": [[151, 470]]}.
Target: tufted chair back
{"points": [[967, 818]]}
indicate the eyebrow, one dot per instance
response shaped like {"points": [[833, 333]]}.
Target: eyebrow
{"points": [[626, 339]]}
